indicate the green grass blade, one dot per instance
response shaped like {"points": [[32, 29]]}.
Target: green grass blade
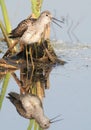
{"points": [[40, 128], [35, 125], [4, 88], [31, 124], [3, 29], [5, 16], [36, 7]]}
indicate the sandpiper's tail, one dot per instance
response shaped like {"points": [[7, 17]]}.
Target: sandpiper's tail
{"points": [[13, 97]]}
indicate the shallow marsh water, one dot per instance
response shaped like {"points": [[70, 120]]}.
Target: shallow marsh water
{"points": [[69, 93]]}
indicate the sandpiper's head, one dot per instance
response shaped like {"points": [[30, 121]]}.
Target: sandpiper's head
{"points": [[46, 16], [45, 123]]}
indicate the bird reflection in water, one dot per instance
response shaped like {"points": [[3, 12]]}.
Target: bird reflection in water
{"points": [[30, 106], [32, 84]]}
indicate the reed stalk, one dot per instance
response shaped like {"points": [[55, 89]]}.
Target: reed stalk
{"points": [[5, 16], [36, 7], [5, 30]]}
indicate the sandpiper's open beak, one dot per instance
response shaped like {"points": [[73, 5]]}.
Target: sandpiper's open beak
{"points": [[53, 119], [54, 21], [61, 21]]}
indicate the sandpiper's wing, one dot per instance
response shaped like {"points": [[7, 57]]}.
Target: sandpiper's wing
{"points": [[20, 29]]}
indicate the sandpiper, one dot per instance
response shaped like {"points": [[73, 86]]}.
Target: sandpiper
{"points": [[30, 107], [32, 30]]}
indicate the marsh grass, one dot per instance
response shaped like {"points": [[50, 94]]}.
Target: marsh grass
{"points": [[4, 30], [33, 125], [5, 16], [4, 88], [36, 7]]}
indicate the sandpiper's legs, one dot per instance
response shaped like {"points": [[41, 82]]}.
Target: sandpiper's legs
{"points": [[18, 82], [31, 58], [27, 63], [30, 50], [32, 63]]}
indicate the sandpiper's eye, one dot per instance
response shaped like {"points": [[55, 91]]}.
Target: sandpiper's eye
{"points": [[46, 14], [45, 124]]}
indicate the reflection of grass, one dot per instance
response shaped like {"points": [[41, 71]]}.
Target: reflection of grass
{"points": [[4, 87], [33, 125]]}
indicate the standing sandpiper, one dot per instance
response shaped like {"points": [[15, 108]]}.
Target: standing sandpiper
{"points": [[32, 30], [30, 106]]}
